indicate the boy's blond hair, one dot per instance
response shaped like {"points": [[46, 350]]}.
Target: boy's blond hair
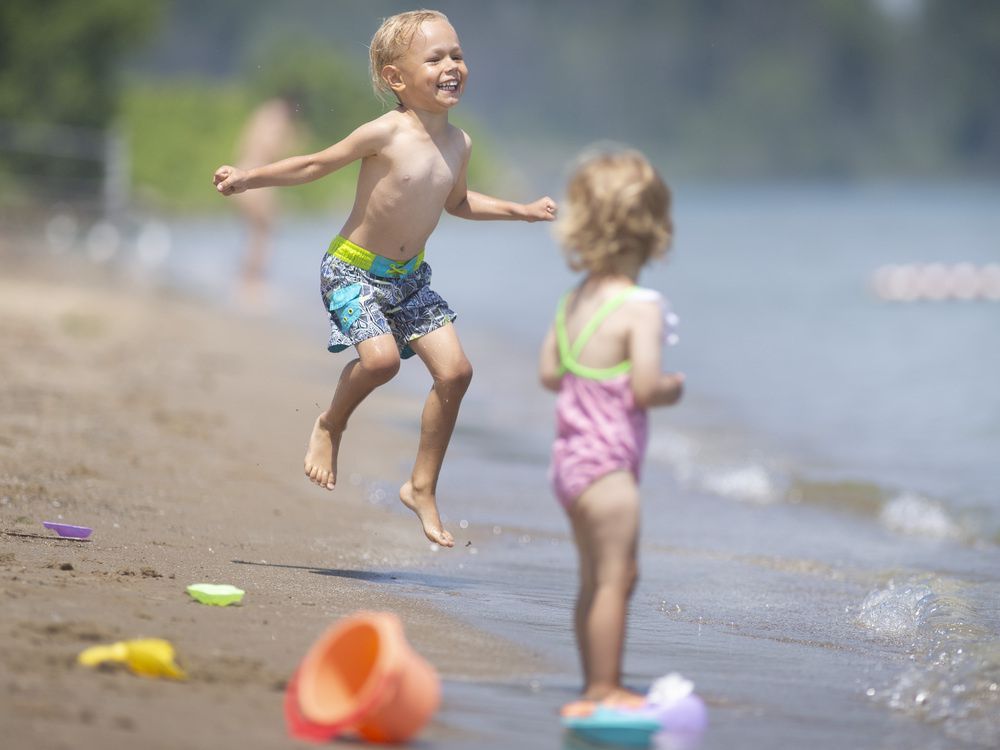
{"points": [[616, 204], [392, 40]]}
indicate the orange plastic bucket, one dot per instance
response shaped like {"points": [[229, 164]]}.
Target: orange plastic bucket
{"points": [[362, 676]]}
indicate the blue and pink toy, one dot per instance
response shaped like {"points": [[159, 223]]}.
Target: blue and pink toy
{"points": [[671, 707]]}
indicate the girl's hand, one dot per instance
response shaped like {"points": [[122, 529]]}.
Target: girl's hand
{"points": [[544, 209], [230, 180], [671, 388]]}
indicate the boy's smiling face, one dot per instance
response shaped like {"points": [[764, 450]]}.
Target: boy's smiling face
{"points": [[431, 75]]}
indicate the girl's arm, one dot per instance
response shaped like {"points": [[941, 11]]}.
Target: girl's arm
{"points": [[365, 141], [468, 204], [650, 386], [548, 362]]}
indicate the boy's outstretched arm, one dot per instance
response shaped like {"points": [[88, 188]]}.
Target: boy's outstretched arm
{"points": [[367, 140], [481, 207], [468, 204]]}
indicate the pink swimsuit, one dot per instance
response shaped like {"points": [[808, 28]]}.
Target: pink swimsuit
{"points": [[599, 428]]}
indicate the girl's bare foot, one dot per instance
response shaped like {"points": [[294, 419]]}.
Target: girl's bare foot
{"points": [[425, 507], [321, 455], [615, 697], [596, 697]]}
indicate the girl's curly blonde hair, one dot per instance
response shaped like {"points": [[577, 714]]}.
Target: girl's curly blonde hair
{"points": [[616, 204], [392, 40]]}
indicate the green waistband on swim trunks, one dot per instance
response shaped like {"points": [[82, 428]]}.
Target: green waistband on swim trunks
{"points": [[377, 265]]}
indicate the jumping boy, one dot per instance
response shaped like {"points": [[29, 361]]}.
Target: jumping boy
{"points": [[374, 280]]}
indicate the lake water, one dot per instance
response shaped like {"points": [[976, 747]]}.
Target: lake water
{"points": [[821, 512]]}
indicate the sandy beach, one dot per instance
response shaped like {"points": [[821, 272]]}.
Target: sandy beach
{"points": [[176, 432]]}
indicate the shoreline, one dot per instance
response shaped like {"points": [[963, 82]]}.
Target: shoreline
{"points": [[175, 430]]}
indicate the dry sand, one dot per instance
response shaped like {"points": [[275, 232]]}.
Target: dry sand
{"points": [[177, 431]]}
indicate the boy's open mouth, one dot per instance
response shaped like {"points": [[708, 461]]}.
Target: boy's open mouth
{"points": [[451, 86]]}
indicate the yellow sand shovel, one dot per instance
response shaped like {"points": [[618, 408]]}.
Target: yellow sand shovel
{"points": [[149, 657]]}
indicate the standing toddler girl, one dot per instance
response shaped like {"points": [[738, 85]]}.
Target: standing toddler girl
{"points": [[602, 355]]}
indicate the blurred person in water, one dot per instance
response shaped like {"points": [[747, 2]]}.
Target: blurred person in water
{"points": [[272, 132]]}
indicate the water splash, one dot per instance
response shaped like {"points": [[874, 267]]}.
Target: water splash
{"points": [[958, 686], [953, 678], [897, 610]]}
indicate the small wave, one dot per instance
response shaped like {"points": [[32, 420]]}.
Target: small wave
{"points": [[752, 483], [954, 674], [915, 515], [695, 466], [710, 463]]}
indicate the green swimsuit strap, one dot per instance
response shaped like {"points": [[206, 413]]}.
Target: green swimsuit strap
{"points": [[568, 353]]}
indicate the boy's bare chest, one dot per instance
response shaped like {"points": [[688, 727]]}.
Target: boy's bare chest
{"points": [[424, 169]]}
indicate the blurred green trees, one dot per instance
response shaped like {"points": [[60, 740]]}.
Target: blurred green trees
{"points": [[955, 68], [59, 64], [717, 89], [181, 129], [60, 59], [726, 89]]}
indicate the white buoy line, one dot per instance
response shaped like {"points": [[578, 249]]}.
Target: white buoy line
{"points": [[937, 282]]}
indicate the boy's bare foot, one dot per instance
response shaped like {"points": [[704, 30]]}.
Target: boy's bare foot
{"points": [[426, 509], [321, 455]]}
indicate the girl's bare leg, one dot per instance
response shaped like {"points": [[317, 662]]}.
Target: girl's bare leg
{"points": [[378, 361], [442, 353], [584, 597], [606, 523]]}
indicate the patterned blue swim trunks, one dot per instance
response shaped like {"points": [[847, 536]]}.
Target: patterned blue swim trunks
{"points": [[368, 295]]}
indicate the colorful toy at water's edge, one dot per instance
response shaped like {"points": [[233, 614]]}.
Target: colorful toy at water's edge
{"points": [[219, 594], [670, 706], [68, 530], [149, 657], [362, 677]]}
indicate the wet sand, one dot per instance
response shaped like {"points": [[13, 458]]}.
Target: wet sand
{"points": [[177, 431]]}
